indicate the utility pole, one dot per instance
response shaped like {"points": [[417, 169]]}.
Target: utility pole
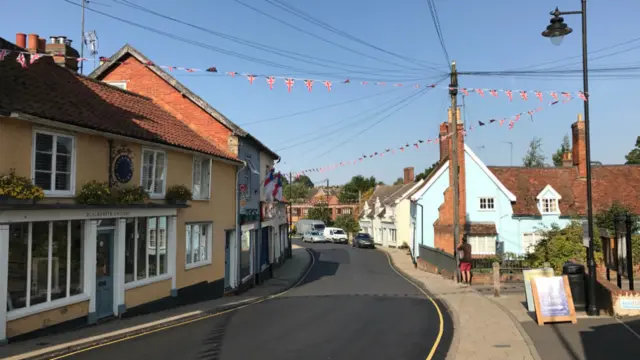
{"points": [[453, 130], [82, 38], [290, 214]]}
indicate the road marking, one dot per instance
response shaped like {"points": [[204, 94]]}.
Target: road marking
{"points": [[441, 328], [313, 261]]}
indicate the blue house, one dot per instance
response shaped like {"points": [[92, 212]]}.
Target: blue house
{"points": [[504, 209]]}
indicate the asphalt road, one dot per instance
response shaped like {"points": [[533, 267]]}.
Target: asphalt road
{"points": [[351, 305]]}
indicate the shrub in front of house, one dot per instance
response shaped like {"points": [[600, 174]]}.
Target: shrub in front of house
{"points": [[19, 188], [178, 194]]}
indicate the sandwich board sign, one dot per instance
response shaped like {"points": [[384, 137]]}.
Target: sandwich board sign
{"points": [[553, 300], [528, 276]]}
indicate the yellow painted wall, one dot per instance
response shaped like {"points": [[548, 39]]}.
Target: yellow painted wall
{"points": [[144, 294], [47, 318]]}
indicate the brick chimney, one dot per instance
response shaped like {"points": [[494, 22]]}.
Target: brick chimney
{"points": [[21, 40], [567, 159], [408, 175], [444, 131], [62, 52], [579, 147]]}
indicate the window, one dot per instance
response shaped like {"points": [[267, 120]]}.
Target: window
{"points": [[154, 171], [487, 204], [121, 84], [53, 163], [198, 244], [482, 245], [392, 236], [296, 212], [305, 212], [201, 178], [529, 241], [245, 253], [145, 248], [45, 262], [339, 211], [549, 206], [347, 211]]}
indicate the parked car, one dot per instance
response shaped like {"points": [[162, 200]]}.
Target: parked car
{"points": [[305, 225], [313, 236], [363, 240], [335, 235]]}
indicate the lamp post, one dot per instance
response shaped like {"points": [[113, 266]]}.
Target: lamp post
{"points": [[556, 31]]}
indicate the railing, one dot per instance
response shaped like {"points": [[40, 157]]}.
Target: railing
{"points": [[438, 258], [511, 268]]}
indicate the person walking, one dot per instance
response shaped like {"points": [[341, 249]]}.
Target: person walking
{"points": [[464, 254]]}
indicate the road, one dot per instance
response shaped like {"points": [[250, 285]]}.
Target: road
{"points": [[351, 305]]}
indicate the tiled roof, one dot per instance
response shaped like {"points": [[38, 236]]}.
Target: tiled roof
{"points": [[130, 50], [49, 91], [475, 228], [610, 183]]}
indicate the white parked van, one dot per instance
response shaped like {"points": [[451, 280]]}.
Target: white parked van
{"points": [[335, 235]]}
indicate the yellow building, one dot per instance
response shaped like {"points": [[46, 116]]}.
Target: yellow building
{"points": [[61, 260]]}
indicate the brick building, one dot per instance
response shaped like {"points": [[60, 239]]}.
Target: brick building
{"points": [[323, 195]]}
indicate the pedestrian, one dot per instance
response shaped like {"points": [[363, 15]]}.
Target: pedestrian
{"points": [[464, 254]]}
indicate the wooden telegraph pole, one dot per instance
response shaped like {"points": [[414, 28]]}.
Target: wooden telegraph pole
{"points": [[453, 130]]}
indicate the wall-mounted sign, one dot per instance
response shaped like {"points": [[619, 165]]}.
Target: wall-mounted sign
{"points": [[123, 168], [629, 303]]}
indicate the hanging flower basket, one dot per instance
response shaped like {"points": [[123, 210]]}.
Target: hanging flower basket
{"points": [[7, 200], [178, 195], [16, 190]]}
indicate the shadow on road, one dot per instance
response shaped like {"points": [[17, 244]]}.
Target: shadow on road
{"points": [[212, 344], [323, 268]]}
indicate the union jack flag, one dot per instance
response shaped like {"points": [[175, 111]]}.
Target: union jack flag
{"points": [[289, 83], [328, 85], [271, 80], [309, 84]]}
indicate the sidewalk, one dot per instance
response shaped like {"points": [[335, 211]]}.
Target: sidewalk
{"points": [[482, 329], [284, 277]]}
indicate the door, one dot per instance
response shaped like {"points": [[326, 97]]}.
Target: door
{"points": [[227, 259], [104, 273]]}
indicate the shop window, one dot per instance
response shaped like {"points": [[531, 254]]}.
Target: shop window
{"points": [[154, 172], [198, 244], [146, 248], [52, 167], [201, 178], [49, 257]]}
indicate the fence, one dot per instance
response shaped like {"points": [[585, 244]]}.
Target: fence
{"points": [[511, 268], [437, 261]]}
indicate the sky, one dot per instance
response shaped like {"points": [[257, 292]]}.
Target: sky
{"points": [[356, 119]]}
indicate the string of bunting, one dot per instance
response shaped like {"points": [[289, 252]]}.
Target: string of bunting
{"points": [[510, 121], [290, 81]]}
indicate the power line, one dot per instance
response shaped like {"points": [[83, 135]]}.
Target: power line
{"points": [[436, 22]]}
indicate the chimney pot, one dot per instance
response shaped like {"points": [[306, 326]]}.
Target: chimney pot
{"points": [[567, 159], [32, 44], [408, 175], [21, 40], [42, 45]]}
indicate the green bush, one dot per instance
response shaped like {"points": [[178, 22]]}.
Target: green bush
{"points": [[178, 193], [131, 195], [95, 193], [558, 246]]}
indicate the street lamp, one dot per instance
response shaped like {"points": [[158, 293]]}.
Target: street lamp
{"points": [[556, 32]]}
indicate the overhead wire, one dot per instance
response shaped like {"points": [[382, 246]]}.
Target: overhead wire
{"points": [[436, 22]]}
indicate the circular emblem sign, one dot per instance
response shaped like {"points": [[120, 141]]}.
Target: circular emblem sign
{"points": [[123, 168]]}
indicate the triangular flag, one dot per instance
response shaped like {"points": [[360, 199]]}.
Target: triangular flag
{"points": [[327, 84], [494, 92], [289, 83], [309, 84], [251, 78], [3, 53], [524, 95], [34, 57], [480, 123], [212, 69], [271, 80], [509, 94], [539, 95], [21, 60], [480, 92]]}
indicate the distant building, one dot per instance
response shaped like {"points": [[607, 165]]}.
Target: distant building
{"points": [[323, 195]]}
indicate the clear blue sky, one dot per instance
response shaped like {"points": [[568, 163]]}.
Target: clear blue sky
{"points": [[479, 35]]}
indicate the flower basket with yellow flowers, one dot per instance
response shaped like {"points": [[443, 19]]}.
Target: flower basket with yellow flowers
{"points": [[178, 195], [132, 195], [16, 189]]}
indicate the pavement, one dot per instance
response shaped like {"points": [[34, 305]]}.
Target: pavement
{"points": [[351, 304], [483, 330], [286, 276]]}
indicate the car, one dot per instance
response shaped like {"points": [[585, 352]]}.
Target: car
{"points": [[363, 240], [313, 236], [335, 235]]}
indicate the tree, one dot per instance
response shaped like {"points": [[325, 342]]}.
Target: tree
{"points": [[427, 171], [358, 183], [398, 181], [304, 180], [633, 157], [320, 212], [348, 224], [558, 246], [535, 156], [296, 192], [559, 155]]}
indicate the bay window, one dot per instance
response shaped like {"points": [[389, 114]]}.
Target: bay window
{"points": [[45, 262], [52, 163], [154, 172], [145, 248], [198, 241]]}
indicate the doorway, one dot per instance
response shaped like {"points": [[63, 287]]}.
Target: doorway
{"points": [[104, 272], [227, 259]]}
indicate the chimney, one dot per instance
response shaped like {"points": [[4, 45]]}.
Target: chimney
{"points": [[32, 42], [444, 131], [21, 40], [567, 159], [408, 175], [59, 47], [42, 45], [579, 147]]}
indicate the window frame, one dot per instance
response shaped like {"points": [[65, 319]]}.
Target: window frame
{"points": [[536, 235], [209, 240], [201, 160], [148, 279], [485, 238], [118, 84], [487, 199], [72, 177], [154, 195], [553, 201]]}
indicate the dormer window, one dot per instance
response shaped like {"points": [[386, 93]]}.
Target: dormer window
{"points": [[548, 201]]}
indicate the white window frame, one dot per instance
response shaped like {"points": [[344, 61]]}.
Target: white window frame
{"points": [[536, 236], [72, 178], [149, 279], [487, 201], [120, 84], [209, 239], [482, 244], [551, 195], [49, 304], [552, 203], [207, 192], [154, 194]]}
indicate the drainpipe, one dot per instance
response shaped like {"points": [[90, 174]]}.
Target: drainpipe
{"points": [[415, 264], [110, 163], [238, 234]]}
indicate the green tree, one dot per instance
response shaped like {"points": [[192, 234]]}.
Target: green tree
{"points": [[304, 180], [559, 154], [348, 224], [398, 181], [427, 171], [358, 183], [320, 212], [534, 156], [296, 193], [558, 246], [606, 219], [633, 157]]}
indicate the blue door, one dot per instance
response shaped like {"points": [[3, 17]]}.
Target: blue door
{"points": [[227, 258], [104, 273]]}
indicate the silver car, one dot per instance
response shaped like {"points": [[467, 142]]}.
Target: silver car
{"points": [[313, 236]]}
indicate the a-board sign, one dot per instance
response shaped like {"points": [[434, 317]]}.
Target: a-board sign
{"points": [[553, 299], [528, 275]]}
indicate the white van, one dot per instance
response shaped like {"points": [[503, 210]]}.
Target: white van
{"points": [[335, 235]]}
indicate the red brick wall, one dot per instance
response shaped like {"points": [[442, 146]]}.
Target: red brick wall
{"points": [[140, 79]]}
